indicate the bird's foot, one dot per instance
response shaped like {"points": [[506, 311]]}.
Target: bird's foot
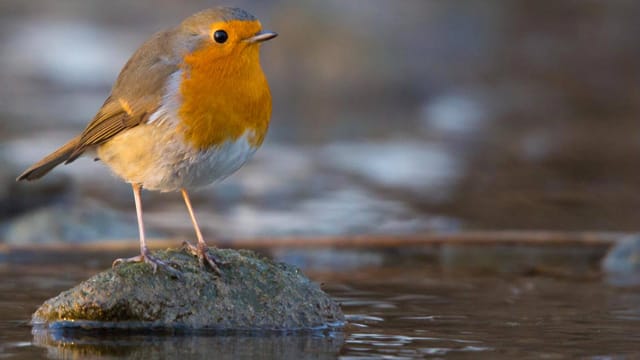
{"points": [[202, 252], [151, 260]]}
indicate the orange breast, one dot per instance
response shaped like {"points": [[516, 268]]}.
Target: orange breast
{"points": [[224, 97]]}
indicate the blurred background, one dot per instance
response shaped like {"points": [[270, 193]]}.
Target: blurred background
{"points": [[390, 117]]}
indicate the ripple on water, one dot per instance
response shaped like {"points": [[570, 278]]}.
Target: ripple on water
{"points": [[367, 302], [433, 318], [445, 351], [402, 346]]}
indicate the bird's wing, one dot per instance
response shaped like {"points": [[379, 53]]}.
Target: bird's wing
{"points": [[136, 94]]}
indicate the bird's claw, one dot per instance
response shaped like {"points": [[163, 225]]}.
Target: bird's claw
{"points": [[151, 260], [202, 252]]}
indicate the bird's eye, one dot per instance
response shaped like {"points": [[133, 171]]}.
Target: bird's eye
{"points": [[220, 36]]}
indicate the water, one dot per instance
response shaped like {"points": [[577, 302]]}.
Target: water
{"points": [[398, 307]]}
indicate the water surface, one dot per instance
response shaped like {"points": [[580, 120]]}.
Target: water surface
{"points": [[398, 306]]}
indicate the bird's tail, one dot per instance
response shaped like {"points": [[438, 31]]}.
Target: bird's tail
{"points": [[52, 160]]}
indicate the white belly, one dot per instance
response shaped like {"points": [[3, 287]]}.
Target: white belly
{"points": [[156, 157]]}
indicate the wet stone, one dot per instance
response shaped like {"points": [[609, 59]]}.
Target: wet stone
{"points": [[253, 293], [624, 257]]}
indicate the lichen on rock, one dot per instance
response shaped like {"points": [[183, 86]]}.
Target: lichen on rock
{"points": [[253, 293]]}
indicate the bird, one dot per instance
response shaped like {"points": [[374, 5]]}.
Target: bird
{"points": [[189, 108]]}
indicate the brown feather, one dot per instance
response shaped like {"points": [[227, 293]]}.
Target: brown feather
{"points": [[140, 85], [45, 165]]}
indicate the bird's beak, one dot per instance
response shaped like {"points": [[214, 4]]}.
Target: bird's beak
{"points": [[261, 36]]}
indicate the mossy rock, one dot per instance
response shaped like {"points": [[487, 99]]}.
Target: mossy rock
{"points": [[252, 293]]}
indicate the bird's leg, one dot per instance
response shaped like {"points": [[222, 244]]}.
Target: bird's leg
{"points": [[145, 254], [202, 250]]}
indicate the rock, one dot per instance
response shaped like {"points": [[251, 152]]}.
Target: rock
{"points": [[253, 293], [624, 257], [621, 265]]}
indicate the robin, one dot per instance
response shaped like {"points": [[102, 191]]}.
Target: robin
{"points": [[189, 108]]}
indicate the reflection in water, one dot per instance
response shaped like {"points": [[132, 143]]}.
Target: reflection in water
{"points": [[74, 344]]}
